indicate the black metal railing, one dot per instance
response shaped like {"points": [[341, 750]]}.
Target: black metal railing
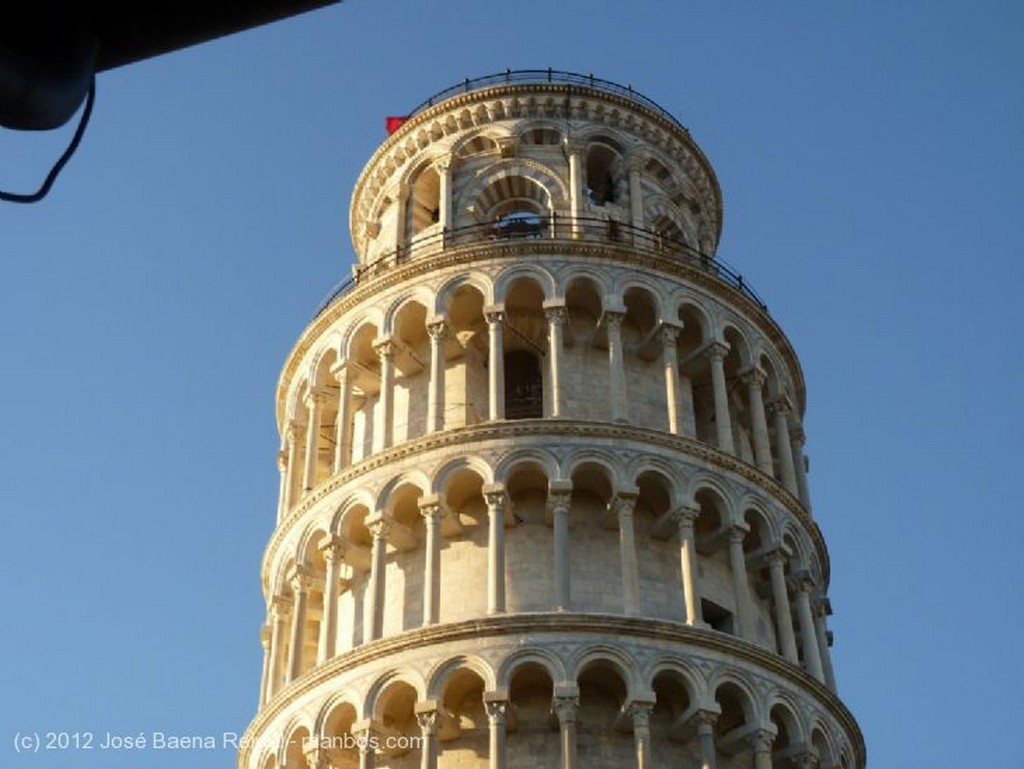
{"points": [[538, 76], [552, 227]]}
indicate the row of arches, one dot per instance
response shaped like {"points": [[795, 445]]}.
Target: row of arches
{"points": [[533, 533], [528, 343], [598, 710]]}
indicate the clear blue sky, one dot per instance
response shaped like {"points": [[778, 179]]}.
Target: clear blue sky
{"points": [[871, 160]]}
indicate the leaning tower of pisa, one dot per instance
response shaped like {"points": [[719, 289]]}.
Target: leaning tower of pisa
{"points": [[543, 498]]}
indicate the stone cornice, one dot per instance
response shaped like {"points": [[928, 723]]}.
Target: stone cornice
{"points": [[590, 251], [575, 624], [472, 434]]}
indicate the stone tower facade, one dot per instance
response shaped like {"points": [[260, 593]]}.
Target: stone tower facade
{"points": [[543, 500]]}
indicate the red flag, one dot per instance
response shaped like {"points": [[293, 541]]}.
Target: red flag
{"points": [[394, 122]]}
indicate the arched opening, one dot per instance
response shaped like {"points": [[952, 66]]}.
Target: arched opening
{"points": [[412, 369], [717, 599], [294, 754], [530, 540], [657, 558], [463, 728], [671, 720], [530, 718], [339, 742], [365, 383], [423, 208], [464, 558], [466, 377], [403, 605], [736, 361], [396, 713], [516, 206], [732, 730], [524, 386], [643, 350], [602, 170], [595, 562], [352, 601], [605, 739]]}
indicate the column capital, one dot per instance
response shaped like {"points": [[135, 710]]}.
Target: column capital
{"points": [[778, 555], [738, 532], [566, 708], [282, 460], [379, 525], [640, 712], [431, 507], [333, 547], [797, 434], [494, 493], [804, 581], [339, 370], [782, 405], [437, 327], [754, 376], [559, 494], [623, 502], [315, 397], [717, 351], [266, 631], [613, 317], [384, 347], [706, 719], [280, 607], [635, 163], [496, 711], [823, 607], [427, 716], [669, 333], [555, 313], [300, 579], [685, 516], [494, 313], [574, 146], [761, 739], [292, 431]]}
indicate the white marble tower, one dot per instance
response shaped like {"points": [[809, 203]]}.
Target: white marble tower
{"points": [[543, 497]]}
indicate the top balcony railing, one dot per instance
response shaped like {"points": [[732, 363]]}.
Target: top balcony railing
{"points": [[540, 76], [552, 227]]}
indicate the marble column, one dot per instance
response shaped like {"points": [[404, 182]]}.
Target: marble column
{"points": [[797, 439], [333, 550], [280, 613], [495, 364], [566, 708], [640, 713], [494, 495], [723, 422], [266, 633], [755, 379], [292, 434], [761, 741], [282, 495], [780, 599], [623, 505], [559, 501], [781, 408], [437, 330], [685, 518], [374, 624], [444, 201], [689, 418], [808, 636], [670, 361], [343, 424], [822, 609], [706, 738], [431, 510], [301, 583], [616, 366], [740, 582], [427, 720], [496, 710], [577, 195], [314, 400], [555, 316], [384, 413], [636, 195]]}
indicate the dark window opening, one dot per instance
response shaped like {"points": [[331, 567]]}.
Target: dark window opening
{"points": [[719, 618], [524, 388]]}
